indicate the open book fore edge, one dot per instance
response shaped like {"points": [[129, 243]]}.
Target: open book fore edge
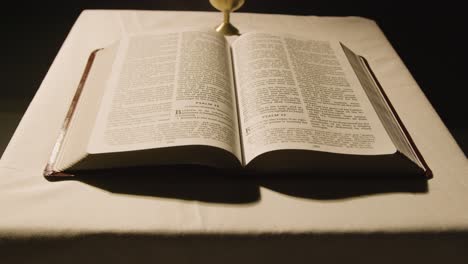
{"points": [[428, 172], [50, 170]]}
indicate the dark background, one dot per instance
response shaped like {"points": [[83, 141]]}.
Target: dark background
{"points": [[428, 37]]}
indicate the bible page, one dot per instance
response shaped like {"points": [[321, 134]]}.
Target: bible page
{"points": [[168, 90], [296, 93]]}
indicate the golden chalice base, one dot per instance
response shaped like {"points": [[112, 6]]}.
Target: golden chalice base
{"points": [[227, 29]]}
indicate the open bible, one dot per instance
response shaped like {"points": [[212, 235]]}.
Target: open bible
{"points": [[264, 102]]}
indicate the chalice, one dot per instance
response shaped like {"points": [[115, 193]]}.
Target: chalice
{"points": [[227, 6]]}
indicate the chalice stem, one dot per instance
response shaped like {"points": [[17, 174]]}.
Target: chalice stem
{"points": [[226, 17]]}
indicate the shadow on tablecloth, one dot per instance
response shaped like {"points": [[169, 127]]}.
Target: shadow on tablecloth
{"points": [[199, 183]]}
